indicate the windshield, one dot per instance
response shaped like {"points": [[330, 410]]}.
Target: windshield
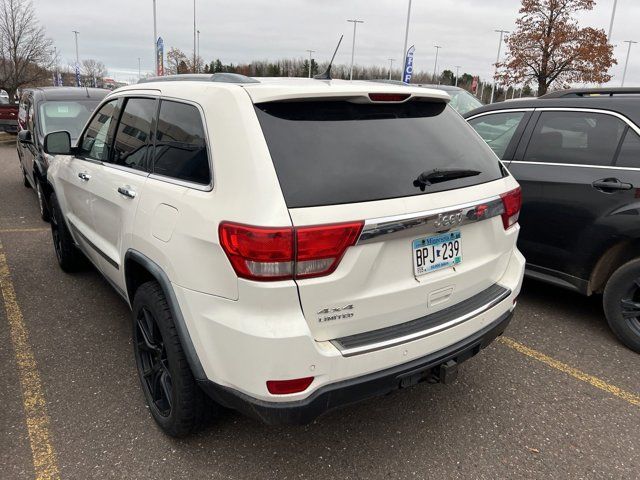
{"points": [[69, 115], [463, 102], [336, 152]]}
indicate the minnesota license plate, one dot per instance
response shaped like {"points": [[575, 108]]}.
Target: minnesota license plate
{"points": [[436, 252]]}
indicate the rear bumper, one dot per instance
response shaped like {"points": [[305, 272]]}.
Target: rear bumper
{"points": [[328, 397]]}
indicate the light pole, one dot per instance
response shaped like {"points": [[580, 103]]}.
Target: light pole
{"points": [[613, 16], [406, 38], [77, 72], [139, 75], [391, 60], [435, 66], [353, 45], [155, 39], [493, 86], [75, 32], [626, 62], [198, 56], [457, 72], [194, 36], [310, 61]]}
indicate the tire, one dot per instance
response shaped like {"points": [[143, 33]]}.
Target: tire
{"points": [[25, 180], [175, 401], [69, 257], [622, 304], [44, 210]]}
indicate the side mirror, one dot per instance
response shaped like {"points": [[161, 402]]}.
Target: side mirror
{"points": [[57, 143], [24, 136]]}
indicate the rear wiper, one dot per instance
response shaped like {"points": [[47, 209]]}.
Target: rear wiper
{"points": [[438, 175]]}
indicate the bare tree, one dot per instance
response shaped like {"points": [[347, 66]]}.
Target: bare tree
{"points": [[175, 57], [93, 68], [178, 62], [26, 54]]}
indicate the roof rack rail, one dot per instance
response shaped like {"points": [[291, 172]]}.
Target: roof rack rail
{"points": [[202, 77], [592, 92]]}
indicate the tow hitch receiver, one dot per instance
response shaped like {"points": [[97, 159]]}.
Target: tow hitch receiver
{"points": [[448, 372]]}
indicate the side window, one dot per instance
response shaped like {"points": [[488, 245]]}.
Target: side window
{"points": [[497, 129], [181, 147], [580, 138], [97, 139], [134, 132], [629, 155]]}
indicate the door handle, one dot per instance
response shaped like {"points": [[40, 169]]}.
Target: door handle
{"points": [[127, 192], [84, 176], [609, 185]]}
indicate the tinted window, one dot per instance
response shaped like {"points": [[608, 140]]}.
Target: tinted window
{"points": [[630, 151], [498, 129], [69, 115], [575, 137], [134, 130], [341, 152], [181, 148], [98, 137]]}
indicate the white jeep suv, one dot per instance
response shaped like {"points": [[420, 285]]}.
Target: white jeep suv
{"points": [[288, 246]]}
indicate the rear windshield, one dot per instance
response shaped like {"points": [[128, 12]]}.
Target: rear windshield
{"points": [[337, 152]]}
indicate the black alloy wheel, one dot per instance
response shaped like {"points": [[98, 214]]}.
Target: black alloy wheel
{"points": [[69, 257], [151, 356], [630, 306], [621, 303], [175, 400]]}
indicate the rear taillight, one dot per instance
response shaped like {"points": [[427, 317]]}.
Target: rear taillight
{"points": [[512, 202], [320, 248], [258, 253]]}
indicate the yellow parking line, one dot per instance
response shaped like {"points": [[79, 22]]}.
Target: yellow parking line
{"points": [[35, 409], [632, 398], [23, 230]]}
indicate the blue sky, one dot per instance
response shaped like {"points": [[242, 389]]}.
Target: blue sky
{"points": [[117, 32]]}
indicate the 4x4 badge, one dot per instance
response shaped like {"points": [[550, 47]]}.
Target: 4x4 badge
{"points": [[335, 313], [324, 311]]}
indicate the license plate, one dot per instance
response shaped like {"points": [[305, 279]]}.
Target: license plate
{"points": [[436, 252]]}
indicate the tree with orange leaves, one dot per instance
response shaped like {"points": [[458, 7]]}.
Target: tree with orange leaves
{"points": [[550, 49]]}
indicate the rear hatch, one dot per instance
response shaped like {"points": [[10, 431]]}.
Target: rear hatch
{"points": [[425, 188]]}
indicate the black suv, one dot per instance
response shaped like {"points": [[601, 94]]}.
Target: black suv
{"points": [[576, 154], [45, 110]]}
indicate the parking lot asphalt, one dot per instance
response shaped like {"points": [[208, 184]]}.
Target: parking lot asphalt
{"points": [[559, 397]]}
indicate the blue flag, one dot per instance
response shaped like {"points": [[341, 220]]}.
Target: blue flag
{"points": [[408, 65], [77, 75]]}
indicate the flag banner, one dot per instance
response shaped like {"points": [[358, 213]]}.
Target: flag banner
{"points": [[160, 56], [60, 84], [77, 75], [408, 65]]}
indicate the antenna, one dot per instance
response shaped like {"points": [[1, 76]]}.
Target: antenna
{"points": [[327, 73]]}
